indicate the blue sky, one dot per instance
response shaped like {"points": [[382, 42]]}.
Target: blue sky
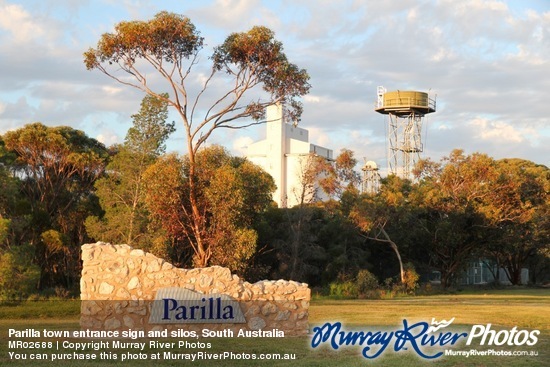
{"points": [[487, 61]]}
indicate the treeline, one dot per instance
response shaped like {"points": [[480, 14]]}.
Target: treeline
{"points": [[60, 189], [465, 208]]}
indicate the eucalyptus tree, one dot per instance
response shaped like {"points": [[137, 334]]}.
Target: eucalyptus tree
{"points": [[57, 168], [386, 217], [477, 207], [319, 177], [248, 72], [233, 195], [518, 210], [453, 194], [121, 192]]}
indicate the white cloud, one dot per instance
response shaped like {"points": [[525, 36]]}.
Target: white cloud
{"points": [[528, 57], [412, 15], [237, 15], [319, 137], [108, 137], [312, 98], [16, 20], [442, 54], [503, 132], [484, 58], [111, 90]]}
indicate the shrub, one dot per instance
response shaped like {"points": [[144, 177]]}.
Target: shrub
{"points": [[411, 278], [18, 277], [343, 289], [366, 281], [426, 289]]}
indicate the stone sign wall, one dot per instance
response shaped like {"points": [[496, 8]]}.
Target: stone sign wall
{"points": [[119, 286]]}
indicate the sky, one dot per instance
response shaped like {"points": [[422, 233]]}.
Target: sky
{"points": [[487, 63]]}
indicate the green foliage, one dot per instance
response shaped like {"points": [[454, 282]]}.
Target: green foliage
{"points": [[4, 229], [148, 134], [18, 276], [247, 61], [519, 212], [236, 250], [300, 250], [461, 208], [366, 285], [233, 195], [258, 52], [170, 43], [164, 193], [333, 178], [312, 244], [347, 289], [125, 219], [52, 170], [366, 281], [54, 241], [388, 222], [475, 206], [9, 190], [168, 36]]}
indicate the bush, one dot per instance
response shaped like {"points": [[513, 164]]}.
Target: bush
{"points": [[366, 281], [343, 289], [366, 285], [427, 289], [18, 277], [411, 278]]}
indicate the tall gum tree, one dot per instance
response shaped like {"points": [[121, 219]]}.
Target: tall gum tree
{"points": [[259, 72], [387, 211], [57, 168], [518, 211], [121, 192]]}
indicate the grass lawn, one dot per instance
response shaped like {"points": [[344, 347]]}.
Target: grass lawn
{"points": [[525, 308]]}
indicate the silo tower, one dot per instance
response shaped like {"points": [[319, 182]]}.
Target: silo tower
{"points": [[370, 183], [405, 111]]}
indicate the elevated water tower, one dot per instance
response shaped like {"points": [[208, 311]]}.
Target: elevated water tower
{"points": [[370, 182], [405, 111]]}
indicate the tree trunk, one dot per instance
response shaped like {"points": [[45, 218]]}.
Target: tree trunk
{"points": [[446, 279], [202, 252], [514, 274], [396, 250]]}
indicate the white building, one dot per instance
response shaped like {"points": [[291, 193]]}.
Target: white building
{"points": [[284, 154]]}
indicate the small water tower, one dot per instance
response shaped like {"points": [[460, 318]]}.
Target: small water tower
{"points": [[370, 183], [405, 111]]}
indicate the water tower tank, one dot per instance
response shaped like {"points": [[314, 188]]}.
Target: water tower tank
{"points": [[370, 166], [370, 183], [405, 111], [403, 102]]}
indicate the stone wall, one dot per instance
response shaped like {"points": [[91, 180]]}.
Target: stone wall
{"points": [[119, 284]]}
